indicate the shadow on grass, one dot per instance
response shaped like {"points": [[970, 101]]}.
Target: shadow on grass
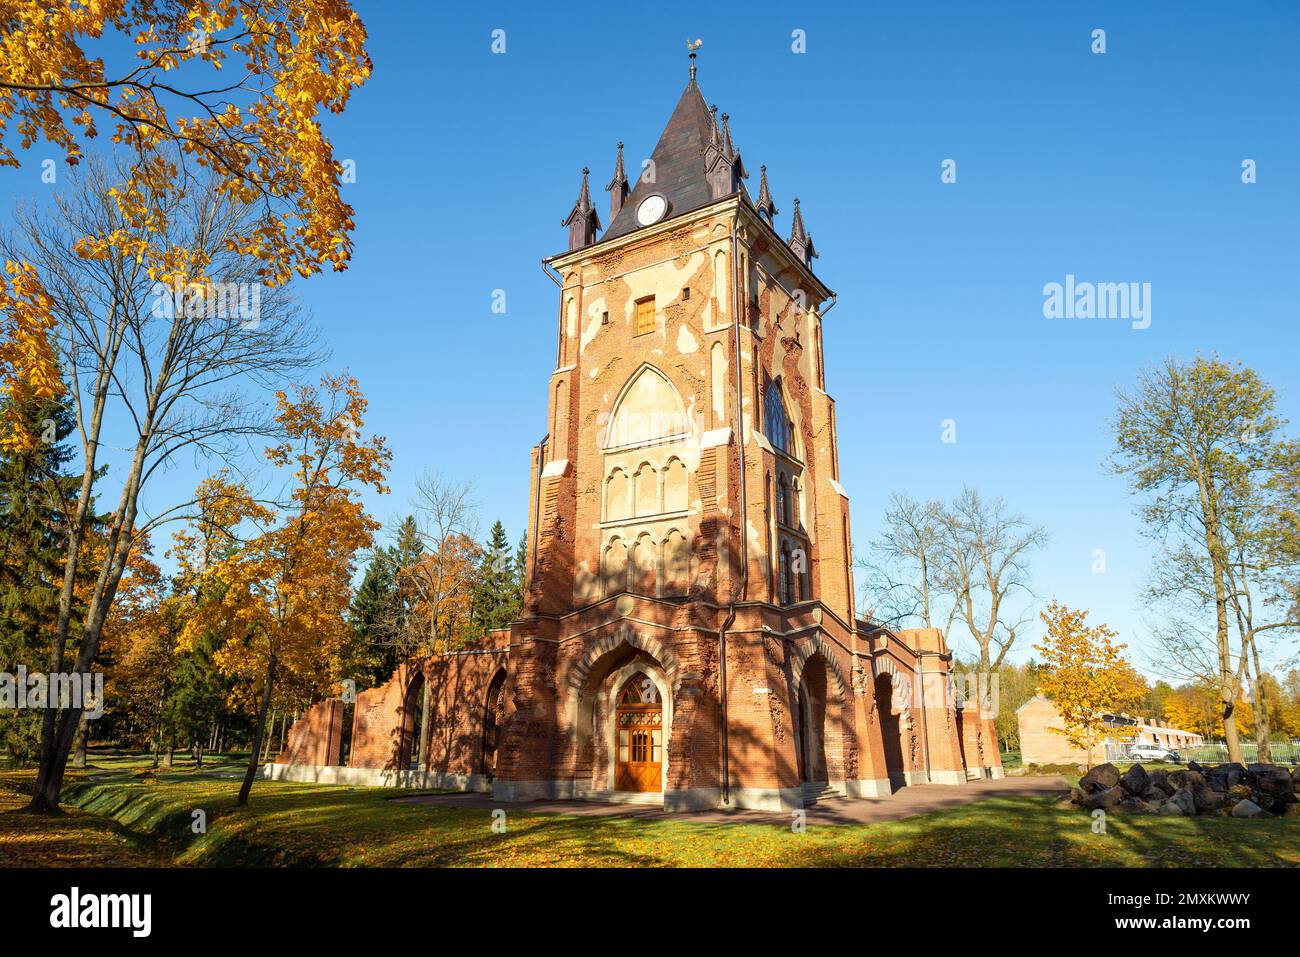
{"points": [[289, 824]]}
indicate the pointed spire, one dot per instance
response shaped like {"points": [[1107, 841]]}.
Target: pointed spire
{"points": [[691, 48], [617, 187], [582, 220], [765, 204], [713, 121], [800, 242], [797, 231], [727, 149]]}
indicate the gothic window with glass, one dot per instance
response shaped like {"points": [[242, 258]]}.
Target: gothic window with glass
{"points": [[776, 424]]}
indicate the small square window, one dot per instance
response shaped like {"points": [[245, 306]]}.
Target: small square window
{"points": [[604, 318], [686, 292]]}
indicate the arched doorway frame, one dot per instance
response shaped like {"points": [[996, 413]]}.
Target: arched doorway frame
{"points": [[486, 766], [618, 679], [412, 717], [836, 707]]}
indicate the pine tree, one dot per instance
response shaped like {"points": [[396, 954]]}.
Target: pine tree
{"points": [[495, 593], [34, 494], [368, 657], [197, 695], [521, 569]]}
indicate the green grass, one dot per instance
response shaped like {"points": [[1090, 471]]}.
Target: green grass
{"points": [[141, 819]]}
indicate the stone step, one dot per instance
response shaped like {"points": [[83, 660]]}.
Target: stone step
{"points": [[814, 792]]}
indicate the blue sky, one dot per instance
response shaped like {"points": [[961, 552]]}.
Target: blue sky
{"points": [[1119, 167]]}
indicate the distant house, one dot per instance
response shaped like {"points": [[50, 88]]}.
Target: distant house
{"points": [[1039, 744]]}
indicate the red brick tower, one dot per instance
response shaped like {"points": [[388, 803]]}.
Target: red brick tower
{"points": [[685, 502]]}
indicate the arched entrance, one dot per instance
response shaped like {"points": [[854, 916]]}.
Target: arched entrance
{"points": [[494, 712], [408, 756], [812, 721], [639, 736], [890, 730]]}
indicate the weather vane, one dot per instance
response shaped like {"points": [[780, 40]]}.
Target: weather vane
{"points": [[692, 46]]}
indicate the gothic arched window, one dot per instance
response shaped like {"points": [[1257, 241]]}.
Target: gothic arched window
{"points": [[783, 578], [775, 422], [783, 501]]}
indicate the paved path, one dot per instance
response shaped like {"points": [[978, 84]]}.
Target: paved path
{"points": [[906, 802]]}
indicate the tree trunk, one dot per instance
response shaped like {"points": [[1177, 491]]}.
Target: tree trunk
{"points": [[79, 749], [264, 752], [1227, 680], [1265, 753], [421, 759], [259, 732]]}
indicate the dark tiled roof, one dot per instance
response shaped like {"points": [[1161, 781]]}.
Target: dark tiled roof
{"points": [[678, 164]]}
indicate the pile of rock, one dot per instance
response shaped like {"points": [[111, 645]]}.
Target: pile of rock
{"points": [[1226, 789]]}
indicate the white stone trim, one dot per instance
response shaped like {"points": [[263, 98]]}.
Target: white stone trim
{"points": [[765, 799], [947, 777], [868, 788], [374, 777], [715, 437], [555, 468]]}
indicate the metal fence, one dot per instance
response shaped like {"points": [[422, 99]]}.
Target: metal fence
{"points": [[1283, 752]]}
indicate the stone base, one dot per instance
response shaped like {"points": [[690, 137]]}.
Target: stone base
{"points": [[692, 799], [868, 788], [905, 779], [374, 778], [766, 799], [681, 799], [947, 777], [996, 774]]}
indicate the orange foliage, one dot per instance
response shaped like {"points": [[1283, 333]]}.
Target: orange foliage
{"points": [[279, 580], [1086, 676], [258, 131], [29, 370]]}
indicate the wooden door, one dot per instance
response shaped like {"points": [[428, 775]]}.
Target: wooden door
{"points": [[638, 737]]}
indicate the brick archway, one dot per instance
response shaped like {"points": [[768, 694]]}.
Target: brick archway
{"points": [[805, 649], [820, 701], [625, 635], [589, 693], [900, 680]]}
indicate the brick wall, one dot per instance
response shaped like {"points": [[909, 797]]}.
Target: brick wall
{"points": [[316, 737]]}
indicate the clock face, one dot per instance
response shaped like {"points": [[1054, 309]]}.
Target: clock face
{"points": [[651, 210]]}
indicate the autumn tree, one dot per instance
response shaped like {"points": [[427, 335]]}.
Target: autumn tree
{"points": [[234, 89], [287, 585], [1196, 440], [188, 142], [1086, 676], [152, 373]]}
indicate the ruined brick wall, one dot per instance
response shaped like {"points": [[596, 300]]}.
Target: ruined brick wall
{"points": [[377, 723], [458, 689], [317, 737]]}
